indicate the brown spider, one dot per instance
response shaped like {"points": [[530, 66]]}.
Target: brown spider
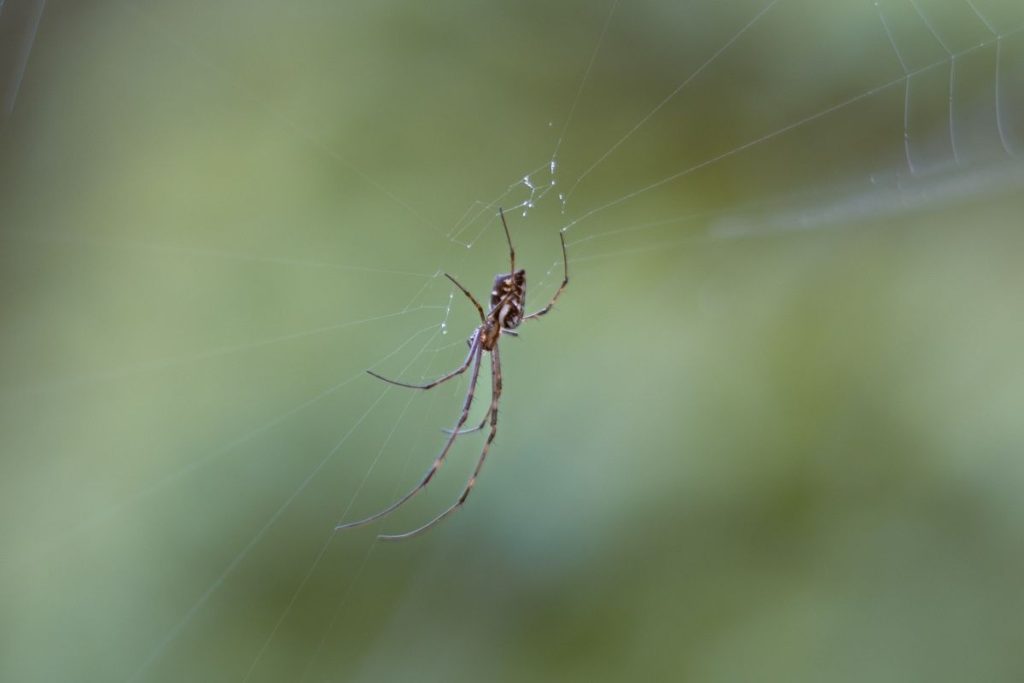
{"points": [[508, 299]]}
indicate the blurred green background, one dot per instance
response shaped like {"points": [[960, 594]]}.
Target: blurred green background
{"points": [[771, 432]]}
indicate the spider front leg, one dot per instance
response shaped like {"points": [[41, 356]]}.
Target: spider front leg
{"points": [[561, 287], [493, 412], [476, 353]]}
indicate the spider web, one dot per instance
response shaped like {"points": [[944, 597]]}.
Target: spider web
{"points": [[186, 415]]}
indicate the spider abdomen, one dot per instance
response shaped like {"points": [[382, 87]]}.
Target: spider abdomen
{"points": [[508, 299]]}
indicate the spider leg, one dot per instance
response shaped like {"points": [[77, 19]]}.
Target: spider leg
{"points": [[493, 411], [440, 380], [511, 249], [475, 353], [470, 430], [487, 415], [561, 287], [479, 308]]}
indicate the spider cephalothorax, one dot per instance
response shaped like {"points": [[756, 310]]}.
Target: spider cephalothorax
{"points": [[508, 299]]}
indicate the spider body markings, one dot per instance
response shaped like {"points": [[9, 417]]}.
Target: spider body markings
{"points": [[506, 313], [508, 299]]}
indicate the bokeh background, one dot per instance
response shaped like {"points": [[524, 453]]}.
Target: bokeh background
{"points": [[771, 432]]}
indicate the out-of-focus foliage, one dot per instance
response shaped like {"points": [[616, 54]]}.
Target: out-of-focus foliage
{"points": [[775, 438]]}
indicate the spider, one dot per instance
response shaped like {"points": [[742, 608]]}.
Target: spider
{"points": [[508, 300]]}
